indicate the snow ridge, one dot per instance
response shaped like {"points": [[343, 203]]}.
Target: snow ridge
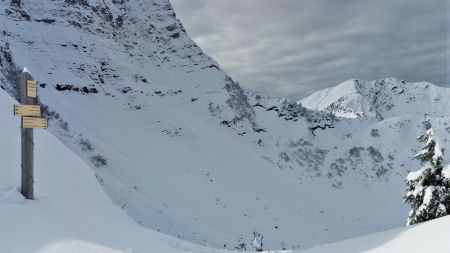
{"points": [[379, 99]]}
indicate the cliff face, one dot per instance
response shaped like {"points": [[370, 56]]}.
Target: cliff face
{"points": [[184, 150], [109, 46]]}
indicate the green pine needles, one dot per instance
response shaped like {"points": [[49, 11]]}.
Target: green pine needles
{"points": [[428, 189]]}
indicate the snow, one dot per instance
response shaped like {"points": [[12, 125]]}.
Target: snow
{"points": [[414, 175], [431, 236], [446, 171], [11, 196], [428, 196], [437, 151], [71, 212], [422, 152]]}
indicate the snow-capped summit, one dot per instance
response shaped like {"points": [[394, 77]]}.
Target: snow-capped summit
{"points": [[380, 99]]}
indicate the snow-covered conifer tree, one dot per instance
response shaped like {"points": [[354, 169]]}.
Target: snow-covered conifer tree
{"points": [[427, 190], [242, 245], [257, 241]]}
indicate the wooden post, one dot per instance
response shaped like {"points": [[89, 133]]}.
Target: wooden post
{"points": [[27, 189]]}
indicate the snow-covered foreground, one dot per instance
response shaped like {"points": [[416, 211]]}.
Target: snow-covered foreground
{"points": [[431, 236], [71, 213]]}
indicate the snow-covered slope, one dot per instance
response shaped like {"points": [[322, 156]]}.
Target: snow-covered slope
{"points": [[180, 147], [380, 99], [71, 212], [431, 236]]}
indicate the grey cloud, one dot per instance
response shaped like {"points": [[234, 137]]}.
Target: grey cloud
{"points": [[289, 47]]}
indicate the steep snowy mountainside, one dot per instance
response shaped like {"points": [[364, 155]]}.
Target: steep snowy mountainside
{"points": [[380, 99], [71, 212], [180, 147], [114, 48]]}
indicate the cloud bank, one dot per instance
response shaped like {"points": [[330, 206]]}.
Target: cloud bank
{"points": [[292, 48]]}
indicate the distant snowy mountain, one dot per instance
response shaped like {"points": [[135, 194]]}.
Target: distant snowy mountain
{"points": [[184, 150], [380, 99]]}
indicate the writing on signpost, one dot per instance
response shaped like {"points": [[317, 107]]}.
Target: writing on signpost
{"points": [[29, 122], [30, 113], [27, 110], [31, 89]]}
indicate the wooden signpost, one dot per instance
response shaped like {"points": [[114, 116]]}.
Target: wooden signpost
{"points": [[29, 112]]}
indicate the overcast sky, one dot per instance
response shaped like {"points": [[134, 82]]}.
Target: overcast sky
{"points": [[294, 47]]}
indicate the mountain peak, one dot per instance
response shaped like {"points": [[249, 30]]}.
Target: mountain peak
{"points": [[378, 99]]}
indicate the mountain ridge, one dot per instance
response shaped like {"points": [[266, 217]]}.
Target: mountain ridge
{"points": [[375, 99]]}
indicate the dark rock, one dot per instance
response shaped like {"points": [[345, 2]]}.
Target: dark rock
{"points": [[16, 3], [64, 87], [46, 20]]}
